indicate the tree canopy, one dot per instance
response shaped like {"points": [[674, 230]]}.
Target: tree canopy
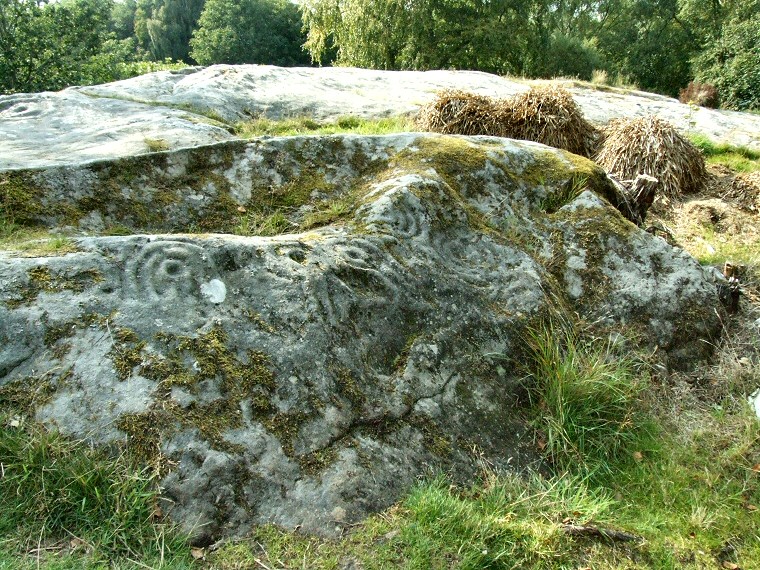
{"points": [[249, 31], [658, 45], [49, 46], [489, 35], [164, 27]]}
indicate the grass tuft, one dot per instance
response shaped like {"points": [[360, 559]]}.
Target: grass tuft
{"points": [[737, 158], [307, 126], [55, 490], [586, 401]]}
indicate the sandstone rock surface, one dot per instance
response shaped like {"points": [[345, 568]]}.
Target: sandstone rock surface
{"points": [[119, 119], [309, 378], [42, 129]]}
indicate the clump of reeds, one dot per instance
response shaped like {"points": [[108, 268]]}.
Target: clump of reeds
{"points": [[648, 145]]}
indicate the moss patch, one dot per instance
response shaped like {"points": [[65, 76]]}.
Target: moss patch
{"points": [[317, 461], [24, 395], [432, 435], [20, 199], [187, 362], [145, 431], [348, 388], [42, 279], [285, 426], [459, 163], [65, 329]]}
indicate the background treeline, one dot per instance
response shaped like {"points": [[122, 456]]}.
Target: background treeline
{"points": [[50, 45], [658, 45]]}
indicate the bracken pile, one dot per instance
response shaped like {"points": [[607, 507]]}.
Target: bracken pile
{"points": [[745, 191], [649, 145], [702, 94], [546, 115], [462, 113], [550, 116]]}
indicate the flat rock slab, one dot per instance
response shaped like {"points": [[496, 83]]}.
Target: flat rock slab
{"points": [[106, 121], [309, 379], [69, 127]]}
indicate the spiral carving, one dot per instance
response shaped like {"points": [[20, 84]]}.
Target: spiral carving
{"points": [[168, 270]]}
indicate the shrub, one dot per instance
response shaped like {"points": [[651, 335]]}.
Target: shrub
{"points": [[702, 94], [732, 64], [568, 56]]}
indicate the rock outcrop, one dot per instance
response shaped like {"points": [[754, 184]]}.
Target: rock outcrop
{"points": [[309, 378], [195, 106]]}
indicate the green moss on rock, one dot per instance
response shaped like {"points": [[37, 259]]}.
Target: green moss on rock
{"points": [[187, 362], [42, 279], [317, 461], [285, 426], [24, 396], [145, 432], [20, 199]]}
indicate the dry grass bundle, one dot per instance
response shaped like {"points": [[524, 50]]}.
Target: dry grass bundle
{"points": [[550, 116], [649, 145], [461, 113]]}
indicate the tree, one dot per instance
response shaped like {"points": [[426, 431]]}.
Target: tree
{"points": [[732, 63], [501, 36], [48, 46], [249, 31], [646, 41], [123, 19], [164, 27]]}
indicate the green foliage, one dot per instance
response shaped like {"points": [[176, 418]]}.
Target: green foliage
{"points": [[732, 63], [569, 56], [164, 27], [472, 34], [249, 31], [53, 489], [585, 397], [123, 19], [48, 47], [647, 42]]}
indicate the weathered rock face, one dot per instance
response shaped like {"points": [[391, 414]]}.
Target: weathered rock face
{"points": [[309, 378], [42, 129], [184, 108]]}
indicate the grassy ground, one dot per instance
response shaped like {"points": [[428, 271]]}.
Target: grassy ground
{"points": [[306, 126], [673, 460], [738, 159]]}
